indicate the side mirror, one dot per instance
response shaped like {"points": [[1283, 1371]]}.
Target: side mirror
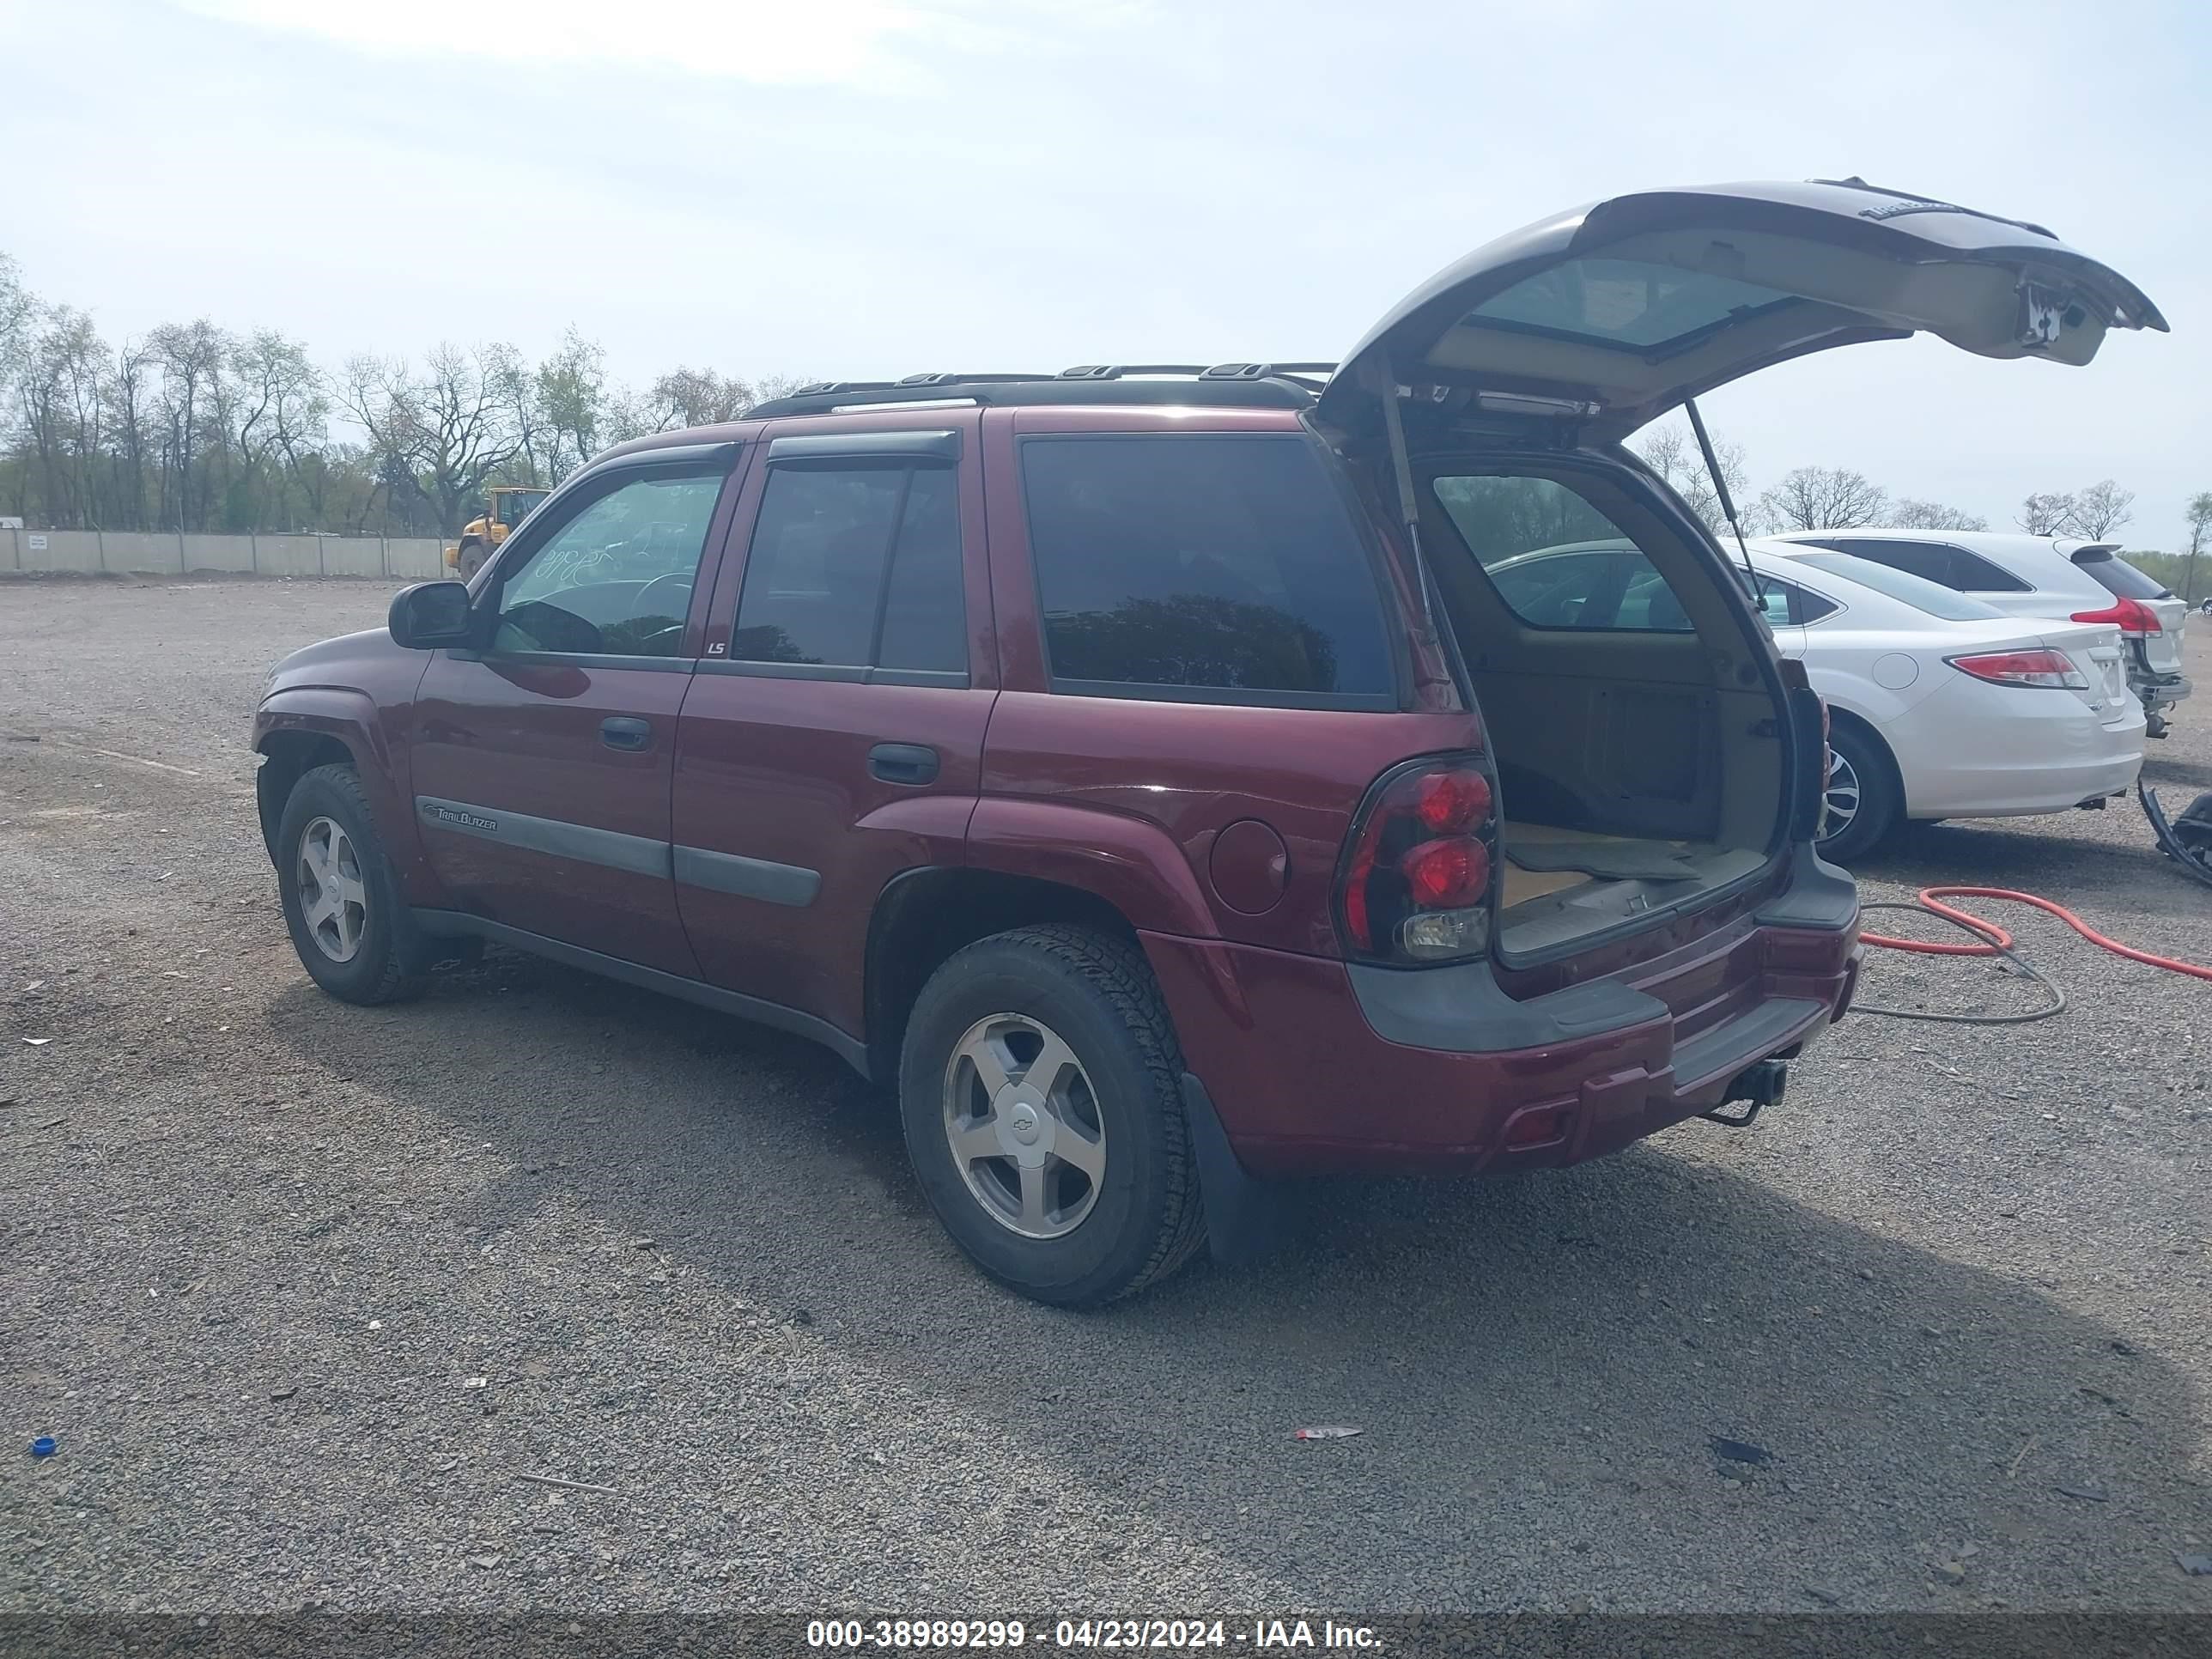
{"points": [[429, 615]]}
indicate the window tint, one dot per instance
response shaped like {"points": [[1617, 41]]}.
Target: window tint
{"points": [[1624, 303], [1922, 595], [1973, 573], [1788, 605], [1930, 561], [1230, 563], [1935, 562], [616, 578], [1556, 560], [2120, 578], [925, 611], [855, 567]]}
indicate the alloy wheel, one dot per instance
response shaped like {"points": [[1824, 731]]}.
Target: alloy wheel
{"points": [[333, 899], [1024, 1127]]}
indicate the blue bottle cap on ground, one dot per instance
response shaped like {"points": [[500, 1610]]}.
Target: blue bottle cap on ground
{"points": [[43, 1446]]}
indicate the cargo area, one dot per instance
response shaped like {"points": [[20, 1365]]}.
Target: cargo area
{"points": [[1638, 745]]}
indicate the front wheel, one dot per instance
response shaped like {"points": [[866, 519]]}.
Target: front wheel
{"points": [[342, 905], [1863, 800], [1041, 1090]]}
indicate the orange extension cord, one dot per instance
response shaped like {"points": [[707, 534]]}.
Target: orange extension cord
{"points": [[1997, 941], [1991, 940]]}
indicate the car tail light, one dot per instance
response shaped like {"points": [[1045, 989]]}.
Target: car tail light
{"points": [[2129, 616], [2046, 668], [1415, 885]]}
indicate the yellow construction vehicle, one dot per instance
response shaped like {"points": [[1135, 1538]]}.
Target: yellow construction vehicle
{"points": [[510, 505]]}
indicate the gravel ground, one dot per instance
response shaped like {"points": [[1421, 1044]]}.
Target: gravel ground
{"points": [[301, 1288]]}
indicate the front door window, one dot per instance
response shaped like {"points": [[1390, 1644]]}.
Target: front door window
{"points": [[616, 580]]}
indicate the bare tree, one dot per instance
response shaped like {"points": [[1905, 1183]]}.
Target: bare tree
{"points": [[282, 411], [130, 397], [191, 357], [191, 428], [1913, 515], [571, 395], [1672, 453], [782, 386], [698, 397], [57, 386], [2045, 516], [2101, 509], [1823, 498], [444, 435], [2200, 530]]}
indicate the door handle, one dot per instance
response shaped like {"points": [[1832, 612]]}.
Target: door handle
{"points": [[902, 762], [627, 732]]}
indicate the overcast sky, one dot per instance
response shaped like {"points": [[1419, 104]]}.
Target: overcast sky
{"points": [[868, 188]]}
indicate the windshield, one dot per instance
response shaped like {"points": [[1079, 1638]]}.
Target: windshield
{"points": [[1915, 590]]}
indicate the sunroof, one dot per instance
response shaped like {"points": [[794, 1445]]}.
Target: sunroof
{"points": [[1623, 304]]}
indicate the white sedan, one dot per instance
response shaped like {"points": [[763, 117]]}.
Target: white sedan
{"points": [[1942, 706]]}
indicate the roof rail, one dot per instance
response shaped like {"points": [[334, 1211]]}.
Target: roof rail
{"points": [[1115, 371], [1254, 386]]}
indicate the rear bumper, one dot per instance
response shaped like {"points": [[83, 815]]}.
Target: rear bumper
{"points": [[2032, 792], [2025, 751], [2159, 690], [1317, 1065]]}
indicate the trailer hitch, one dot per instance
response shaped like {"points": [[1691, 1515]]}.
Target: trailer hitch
{"points": [[1756, 1087]]}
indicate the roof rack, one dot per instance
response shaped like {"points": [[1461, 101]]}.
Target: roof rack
{"points": [[1256, 385]]}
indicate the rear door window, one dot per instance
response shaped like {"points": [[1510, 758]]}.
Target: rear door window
{"points": [[1212, 568], [855, 567]]}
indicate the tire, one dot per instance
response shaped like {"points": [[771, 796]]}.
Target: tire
{"points": [[1860, 759], [367, 952], [1117, 1215], [474, 552]]}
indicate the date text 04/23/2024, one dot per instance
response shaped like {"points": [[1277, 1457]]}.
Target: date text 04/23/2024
{"points": [[922, 1634]]}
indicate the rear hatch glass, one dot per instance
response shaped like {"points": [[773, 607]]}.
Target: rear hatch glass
{"points": [[2116, 575]]}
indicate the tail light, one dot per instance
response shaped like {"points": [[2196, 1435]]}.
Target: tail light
{"points": [[2129, 616], [2046, 668], [1416, 882]]}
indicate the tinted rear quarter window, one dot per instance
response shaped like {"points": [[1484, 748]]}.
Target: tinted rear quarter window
{"points": [[1786, 605], [1921, 594], [1936, 561], [1221, 565], [2120, 578]]}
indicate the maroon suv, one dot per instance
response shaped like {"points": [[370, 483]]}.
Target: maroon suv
{"points": [[1167, 777]]}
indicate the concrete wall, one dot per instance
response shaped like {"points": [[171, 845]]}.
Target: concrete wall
{"points": [[162, 553]]}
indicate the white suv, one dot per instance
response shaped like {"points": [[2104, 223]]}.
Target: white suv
{"points": [[2042, 577]]}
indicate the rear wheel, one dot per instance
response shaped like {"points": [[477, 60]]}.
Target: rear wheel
{"points": [[342, 905], [1041, 1089], [1863, 799]]}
